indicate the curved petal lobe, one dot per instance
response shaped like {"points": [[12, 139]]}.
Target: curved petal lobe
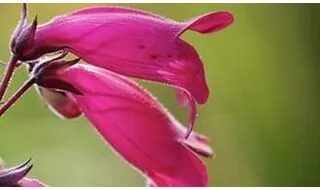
{"points": [[135, 43], [209, 23]]}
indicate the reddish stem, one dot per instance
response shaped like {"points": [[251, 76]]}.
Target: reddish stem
{"points": [[16, 95], [7, 76]]}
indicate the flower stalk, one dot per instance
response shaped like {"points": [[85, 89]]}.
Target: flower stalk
{"points": [[7, 76], [5, 106]]}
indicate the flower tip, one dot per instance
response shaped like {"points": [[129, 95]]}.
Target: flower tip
{"points": [[25, 163], [24, 11], [26, 169], [34, 23], [16, 176], [23, 38], [229, 17], [223, 19], [12, 176], [210, 22]]}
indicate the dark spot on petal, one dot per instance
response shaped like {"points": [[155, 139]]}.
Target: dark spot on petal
{"points": [[170, 56], [153, 56], [140, 46]]}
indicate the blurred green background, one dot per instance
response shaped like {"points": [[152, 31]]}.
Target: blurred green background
{"points": [[262, 115]]}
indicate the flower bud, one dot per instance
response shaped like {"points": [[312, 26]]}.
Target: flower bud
{"points": [[22, 42]]}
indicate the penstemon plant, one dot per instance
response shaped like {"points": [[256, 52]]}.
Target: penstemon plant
{"points": [[113, 44]]}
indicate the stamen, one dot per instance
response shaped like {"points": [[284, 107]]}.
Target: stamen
{"points": [[192, 115], [17, 95]]}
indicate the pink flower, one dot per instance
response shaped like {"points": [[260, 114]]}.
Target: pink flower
{"points": [[15, 177], [127, 41], [132, 121], [120, 42]]}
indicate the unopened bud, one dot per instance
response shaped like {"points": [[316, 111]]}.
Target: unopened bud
{"points": [[10, 177], [22, 41]]}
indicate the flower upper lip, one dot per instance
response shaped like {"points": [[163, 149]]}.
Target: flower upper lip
{"points": [[98, 35]]}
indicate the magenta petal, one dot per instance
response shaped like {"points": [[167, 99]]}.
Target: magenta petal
{"points": [[187, 176], [135, 43], [136, 126], [208, 23], [114, 10]]}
